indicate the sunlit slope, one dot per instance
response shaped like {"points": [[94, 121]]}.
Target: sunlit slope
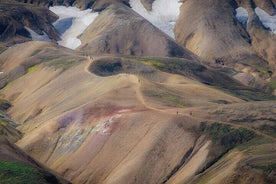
{"points": [[121, 119]]}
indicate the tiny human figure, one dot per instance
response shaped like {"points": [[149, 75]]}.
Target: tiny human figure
{"points": [[191, 113], [177, 112]]}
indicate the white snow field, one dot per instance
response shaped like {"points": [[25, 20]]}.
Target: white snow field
{"points": [[267, 20], [242, 15], [36, 36], [71, 23], [163, 15]]}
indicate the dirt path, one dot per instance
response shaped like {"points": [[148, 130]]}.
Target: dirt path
{"points": [[173, 111], [176, 111]]}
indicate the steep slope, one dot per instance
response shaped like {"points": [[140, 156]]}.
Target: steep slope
{"points": [[71, 23], [263, 40], [119, 30], [212, 33], [114, 119], [121, 109], [16, 19], [215, 35], [15, 165]]}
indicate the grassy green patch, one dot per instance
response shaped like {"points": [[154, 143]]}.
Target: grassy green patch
{"points": [[217, 79], [32, 68], [258, 65], [20, 173], [174, 65], [2, 49], [225, 135], [220, 111], [220, 101], [272, 84], [36, 52], [169, 97], [62, 63], [267, 167], [252, 95], [258, 145], [49, 57], [269, 129]]}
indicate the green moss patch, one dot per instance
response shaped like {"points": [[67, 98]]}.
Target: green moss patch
{"points": [[63, 63], [172, 99], [32, 68], [37, 51], [272, 84], [225, 135], [2, 49], [20, 173]]}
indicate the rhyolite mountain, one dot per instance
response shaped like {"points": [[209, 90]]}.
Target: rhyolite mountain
{"points": [[134, 102], [15, 18]]}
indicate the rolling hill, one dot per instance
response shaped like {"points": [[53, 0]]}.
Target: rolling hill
{"points": [[132, 102]]}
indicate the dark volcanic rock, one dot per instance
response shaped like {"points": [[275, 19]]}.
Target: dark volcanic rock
{"points": [[47, 3], [100, 5], [15, 17]]}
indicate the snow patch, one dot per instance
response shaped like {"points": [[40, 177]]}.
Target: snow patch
{"points": [[267, 20], [163, 15], [71, 23], [37, 37], [242, 15]]}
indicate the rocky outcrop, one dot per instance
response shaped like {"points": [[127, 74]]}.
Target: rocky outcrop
{"points": [[119, 30], [84, 4], [267, 5], [46, 3], [14, 19], [214, 34], [100, 5], [263, 41], [147, 4]]}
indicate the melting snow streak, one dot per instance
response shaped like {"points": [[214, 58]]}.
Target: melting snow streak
{"points": [[71, 23], [164, 14], [242, 15], [267, 20], [36, 36]]}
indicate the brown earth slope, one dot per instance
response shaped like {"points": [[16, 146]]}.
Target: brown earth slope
{"points": [[15, 165], [216, 36], [130, 123], [119, 30]]}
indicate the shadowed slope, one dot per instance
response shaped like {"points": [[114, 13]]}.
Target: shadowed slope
{"points": [[15, 165], [15, 17]]}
